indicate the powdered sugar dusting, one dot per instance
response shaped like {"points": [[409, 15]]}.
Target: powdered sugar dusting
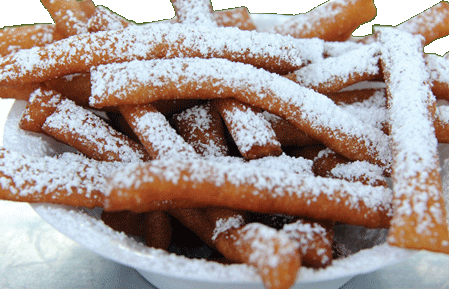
{"points": [[197, 12], [249, 129], [165, 142], [27, 175], [312, 20], [70, 118], [114, 83], [224, 224], [267, 183], [200, 120], [362, 61], [141, 42], [414, 142], [427, 21]]}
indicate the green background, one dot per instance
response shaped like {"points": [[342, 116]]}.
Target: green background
{"points": [[389, 12]]}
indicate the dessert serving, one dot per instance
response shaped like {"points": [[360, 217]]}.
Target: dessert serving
{"points": [[267, 146]]}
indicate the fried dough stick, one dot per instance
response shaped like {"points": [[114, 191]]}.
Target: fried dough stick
{"points": [[90, 135], [237, 17], [330, 164], [314, 241], [104, 19], [275, 257], [70, 16], [286, 133], [251, 132], [331, 21], [154, 226], [75, 87], [13, 39], [243, 186], [19, 92], [431, 24], [419, 220], [42, 103], [202, 127], [311, 112], [155, 132], [164, 40], [335, 73], [198, 12], [69, 179]]}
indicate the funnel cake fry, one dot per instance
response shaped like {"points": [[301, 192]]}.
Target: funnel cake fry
{"points": [[432, 24], [252, 133], [243, 186], [155, 133], [70, 16], [331, 21], [12, 39], [42, 103], [272, 253], [164, 40], [91, 135], [311, 112], [335, 73], [202, 127], [67, 180], [419, 220]]}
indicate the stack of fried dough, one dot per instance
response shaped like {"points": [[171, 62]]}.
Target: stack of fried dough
{"points": [[257, 142]]}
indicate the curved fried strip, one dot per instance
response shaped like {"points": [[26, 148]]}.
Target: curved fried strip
{"points": [[12, 39], [198, 12], [331, 21], [236, 17], [286, 133], [202, 127], [315, 241], [90, 135], [243, 186], [42, 104], [335, 73], [19, 92], [75, 87], [442, 123], [155, 132], [69, 15], [419, 220], [104, 19], [157, 229], [311, 112], [252, 133], [275, 257], [353, 96], [124, 221], [439, 73], [78, 53], [330, 164], [67, 180], [431, 24]]}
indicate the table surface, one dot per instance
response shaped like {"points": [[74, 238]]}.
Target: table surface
{"points": [[35, 255]]}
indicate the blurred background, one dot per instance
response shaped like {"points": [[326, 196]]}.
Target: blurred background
{"points": [[388, 12]]}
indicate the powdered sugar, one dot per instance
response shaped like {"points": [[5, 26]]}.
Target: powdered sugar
{"points": [[427, 21], [335, 70], [70, 118], [222, 225], [117, 84], [141, 42], [28, 175], [249, 129]]}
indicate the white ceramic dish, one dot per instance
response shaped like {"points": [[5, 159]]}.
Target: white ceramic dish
{"points": [[167, 270]]}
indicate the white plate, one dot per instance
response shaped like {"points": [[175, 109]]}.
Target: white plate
{"points": [[167, 270]]}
